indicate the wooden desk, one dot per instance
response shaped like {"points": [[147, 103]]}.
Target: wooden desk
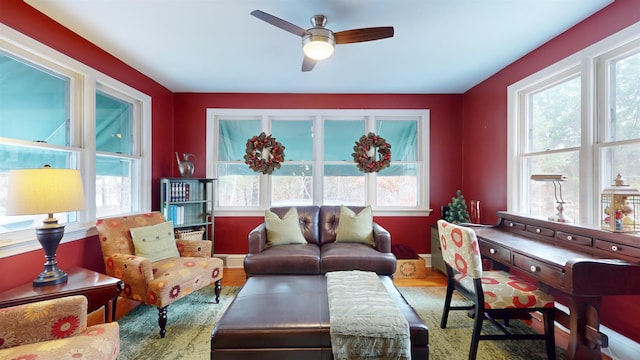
{"points": [[577, 264], [99, 289]]}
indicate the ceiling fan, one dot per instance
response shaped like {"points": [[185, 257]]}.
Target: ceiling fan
{"points": [[318, 42]]}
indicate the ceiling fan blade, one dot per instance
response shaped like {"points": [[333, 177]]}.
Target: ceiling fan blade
{"points": [[282, 24], [365, 34], [308, 64]]}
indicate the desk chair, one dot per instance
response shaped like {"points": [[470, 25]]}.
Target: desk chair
{"points": [[495, 294]]}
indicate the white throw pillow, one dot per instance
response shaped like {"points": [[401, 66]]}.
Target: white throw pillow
{"points": [[283, 231], [354, 227], [155, 242]]}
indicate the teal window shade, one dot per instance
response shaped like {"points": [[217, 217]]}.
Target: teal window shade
{"points": [[233, 136], [34, 103], [339, 138], [113, 124], [402, 135], [296, 136]]}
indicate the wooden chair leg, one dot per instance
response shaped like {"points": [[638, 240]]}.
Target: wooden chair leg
{"points": [[218, 290], [447, 305], [549, 331], [162, 320], [475, 337]]}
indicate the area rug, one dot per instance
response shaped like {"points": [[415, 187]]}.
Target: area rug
{"points": [[191, 320]]}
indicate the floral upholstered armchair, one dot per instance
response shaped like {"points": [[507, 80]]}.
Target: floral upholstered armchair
{"points": [[156, 269], [55, 329]]}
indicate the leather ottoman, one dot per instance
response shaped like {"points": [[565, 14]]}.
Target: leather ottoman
{"points": [[287, 317]]}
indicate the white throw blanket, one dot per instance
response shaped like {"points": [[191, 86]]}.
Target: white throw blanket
{"points": [[366, 323]]}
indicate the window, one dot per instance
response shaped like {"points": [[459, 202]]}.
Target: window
{"points": [[318, 167], [580, 118], [58, 112]]}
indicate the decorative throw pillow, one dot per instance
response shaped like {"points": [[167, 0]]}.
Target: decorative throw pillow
{"points": [[155, 242], [283, 231], [354, 227]]}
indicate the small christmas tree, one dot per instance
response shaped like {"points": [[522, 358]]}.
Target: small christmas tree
{"points": [[457, 212]]}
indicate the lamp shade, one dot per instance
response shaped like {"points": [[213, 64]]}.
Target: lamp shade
{"points": [[44, 191]]}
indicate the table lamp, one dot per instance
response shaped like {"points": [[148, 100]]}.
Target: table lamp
{"points": [[557, 180], [46, 191]]}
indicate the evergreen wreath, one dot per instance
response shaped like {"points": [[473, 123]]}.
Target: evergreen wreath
{"points": [[365, 153], [263, 153]]}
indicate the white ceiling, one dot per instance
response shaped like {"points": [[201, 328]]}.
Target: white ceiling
{"points": [[440, 46]]}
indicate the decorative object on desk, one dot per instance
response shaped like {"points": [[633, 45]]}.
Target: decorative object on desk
{"points": [[474, 215], [372, 153], [264, 154], [619, 204], [557, 180], [186, 167], [457, 212], [46, 191]]}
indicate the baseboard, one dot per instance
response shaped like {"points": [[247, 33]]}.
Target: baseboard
{"points": [[620, 347]]}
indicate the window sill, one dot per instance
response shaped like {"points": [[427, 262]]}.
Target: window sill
{"points": [[11, 247]]}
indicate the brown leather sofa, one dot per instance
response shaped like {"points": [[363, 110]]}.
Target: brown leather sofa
{"points": [[321, 253]]}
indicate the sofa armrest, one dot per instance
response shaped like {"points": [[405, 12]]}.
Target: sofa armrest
{"points": [[258, 239], [43, 320], [381, 238], [194, 248]]}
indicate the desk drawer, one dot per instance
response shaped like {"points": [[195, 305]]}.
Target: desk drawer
{"points": [[495, 252], [514, 225], [543, 272], [576, 239], [618, 249], [540, 230]]}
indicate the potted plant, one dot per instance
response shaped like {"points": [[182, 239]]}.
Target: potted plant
{"points": [[457, 210]]}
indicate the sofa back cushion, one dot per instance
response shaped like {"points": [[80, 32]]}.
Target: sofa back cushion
{"points": [[308, 217], [329, 219]]}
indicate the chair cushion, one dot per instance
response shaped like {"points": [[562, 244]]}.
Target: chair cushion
{"points": [[155, 242], [354, 227], [283, 231], [503, 290]]}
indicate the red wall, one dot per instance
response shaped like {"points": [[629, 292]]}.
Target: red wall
{"points": [[86, 253], [445, 119], [485, 132]]}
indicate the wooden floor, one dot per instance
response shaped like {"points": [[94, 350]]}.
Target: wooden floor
{"points": [[237, 277]]}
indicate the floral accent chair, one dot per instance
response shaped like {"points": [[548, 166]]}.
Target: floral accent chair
{"points": [[186, 266], [56, 329], [495, 294]]}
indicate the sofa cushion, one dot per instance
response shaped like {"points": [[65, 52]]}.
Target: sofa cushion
{"points": [[354, 227], [155, 242], [338, 256], [284, 259], [283, 231]]}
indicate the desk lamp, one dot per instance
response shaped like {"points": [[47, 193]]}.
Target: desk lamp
{"points": [[46, 191], [557, 180]]}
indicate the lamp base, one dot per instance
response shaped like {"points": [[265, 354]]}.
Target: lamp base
{"points": [[49, 237], [50, 277]]}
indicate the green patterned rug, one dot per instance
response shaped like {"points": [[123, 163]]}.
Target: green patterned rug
{"points": [[192, 318]]}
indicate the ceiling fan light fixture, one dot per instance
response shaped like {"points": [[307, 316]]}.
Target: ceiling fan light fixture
{"points": [[318, 44]]}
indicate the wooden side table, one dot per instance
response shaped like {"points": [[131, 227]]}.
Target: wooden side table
{"points": [[99, 289]]}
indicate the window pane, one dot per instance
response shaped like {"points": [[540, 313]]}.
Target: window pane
{"points": [[292, 185], [113, 124], [543, 194], [34, 103], [296, 136], [625, 95], [113, 186], [233, 138], [397, 185], [554, 121], [402, 135], [623, 160], [343, 185], [21, 157], [340, 137], [237, 186]]}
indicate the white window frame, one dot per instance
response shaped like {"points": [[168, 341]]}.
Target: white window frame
{"points": [[319, 115], [84, 82], [588, 63]]}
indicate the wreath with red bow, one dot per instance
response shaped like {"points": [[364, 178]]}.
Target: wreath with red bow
{"points": [[365, 152], [263, 153]]}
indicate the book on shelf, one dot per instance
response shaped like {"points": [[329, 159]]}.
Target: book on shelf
{"points": [[174, 213]]}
